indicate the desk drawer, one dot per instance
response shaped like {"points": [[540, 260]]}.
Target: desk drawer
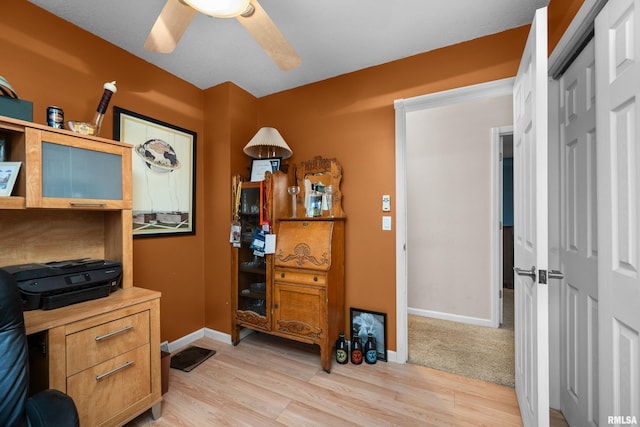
{"points": [[303, 278], [95, 345], [109, 388]]}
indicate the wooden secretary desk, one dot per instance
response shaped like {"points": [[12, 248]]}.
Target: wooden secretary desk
{"points": [[72, 199], [303, 297]]}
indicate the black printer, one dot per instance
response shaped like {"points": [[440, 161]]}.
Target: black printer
{"points": [[60, 283]]}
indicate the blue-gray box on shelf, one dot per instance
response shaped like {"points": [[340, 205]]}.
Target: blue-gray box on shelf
{"points": [[16, 108]]}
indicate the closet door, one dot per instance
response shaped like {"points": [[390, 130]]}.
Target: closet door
{"points": [[618, 134], [579, 243]]}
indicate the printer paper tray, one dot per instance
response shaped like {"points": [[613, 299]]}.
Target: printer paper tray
{"points": [[49, 302]]}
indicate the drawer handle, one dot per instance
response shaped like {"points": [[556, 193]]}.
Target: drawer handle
{"points": [[96, 204], [315, 278], [110, 334], [114, 370], [282, 275]]}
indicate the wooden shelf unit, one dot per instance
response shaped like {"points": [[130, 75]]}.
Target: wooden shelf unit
{"points": [[304, 279], [37, 227]]}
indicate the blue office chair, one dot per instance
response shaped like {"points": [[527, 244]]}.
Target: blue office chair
{"points": [[46, 408]]}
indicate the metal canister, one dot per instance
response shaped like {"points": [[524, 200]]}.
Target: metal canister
{"points": [[55, 117]]}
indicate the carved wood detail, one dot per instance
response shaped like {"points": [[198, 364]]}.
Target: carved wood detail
{"points": [[251, 317], [299, 328], [327, 171], [301, 254]]}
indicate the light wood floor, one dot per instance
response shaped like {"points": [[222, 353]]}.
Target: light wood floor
{"points": [[268, 381]]}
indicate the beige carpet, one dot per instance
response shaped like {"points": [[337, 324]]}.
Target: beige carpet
{"points": [[473, 351]]}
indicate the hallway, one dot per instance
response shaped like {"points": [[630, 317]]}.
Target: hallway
{"points": [[478, 352]]}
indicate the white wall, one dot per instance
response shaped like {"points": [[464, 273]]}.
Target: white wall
{"points": [[448, 157]]}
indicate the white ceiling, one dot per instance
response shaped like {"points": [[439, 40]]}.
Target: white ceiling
{"points": [[332, 37]]}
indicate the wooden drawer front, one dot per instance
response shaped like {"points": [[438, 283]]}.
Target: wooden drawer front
{"points": [[304, 244], [95, 345], [109, 388], [319, 279]]}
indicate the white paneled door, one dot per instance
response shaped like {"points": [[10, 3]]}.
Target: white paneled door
{"points": [[617, 49], [579, 243], [530, 227]]}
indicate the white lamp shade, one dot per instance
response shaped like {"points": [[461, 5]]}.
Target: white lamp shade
{"points": [[267, 143], [219, 8]]}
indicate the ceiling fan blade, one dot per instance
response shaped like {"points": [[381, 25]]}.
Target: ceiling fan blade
{"points": [[169, 27], [269, 37]]}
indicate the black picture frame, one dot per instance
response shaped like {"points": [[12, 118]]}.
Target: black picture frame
{"points": [[260, 166], [365, 321], [163, 174]]}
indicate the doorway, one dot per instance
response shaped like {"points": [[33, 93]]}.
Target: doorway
{"points": [[505, 200], [472, 182]]}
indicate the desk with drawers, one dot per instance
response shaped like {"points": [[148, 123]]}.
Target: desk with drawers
{"points": [[104, 353]]}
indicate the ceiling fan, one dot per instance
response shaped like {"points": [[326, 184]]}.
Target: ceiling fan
{"points": [[177, 15]]}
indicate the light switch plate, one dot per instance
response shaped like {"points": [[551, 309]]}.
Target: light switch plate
{"points": [[386, 223], [386, 203]]}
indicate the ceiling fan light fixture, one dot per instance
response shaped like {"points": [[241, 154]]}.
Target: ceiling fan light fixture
{"points": [[219, 8]]}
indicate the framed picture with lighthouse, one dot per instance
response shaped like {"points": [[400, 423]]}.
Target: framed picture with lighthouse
{"points": [[163, 174]]}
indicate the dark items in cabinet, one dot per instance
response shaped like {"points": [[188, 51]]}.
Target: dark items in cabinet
{"points": [[252, 265]]}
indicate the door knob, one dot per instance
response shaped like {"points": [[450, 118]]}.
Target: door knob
{"points": [[555, 274], [522, 272]]}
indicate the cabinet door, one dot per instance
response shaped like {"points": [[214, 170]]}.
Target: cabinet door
{"points": [[251, 281], [252, 291], [300, 311], [75, 172]]}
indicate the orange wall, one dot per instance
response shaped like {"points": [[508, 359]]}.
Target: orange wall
{"points": [[51, 62], [351, 117], [231, 121]]}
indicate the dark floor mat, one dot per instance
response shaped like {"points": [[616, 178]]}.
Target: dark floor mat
{"points": [[189, 358]]}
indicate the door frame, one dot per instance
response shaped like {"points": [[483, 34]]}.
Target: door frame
{"points": [[576, 35], [492, 89], [497, 203]]}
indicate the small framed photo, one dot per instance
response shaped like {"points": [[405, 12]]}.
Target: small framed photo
{"points": [[364, 322], [260, 166], [8, 174]]}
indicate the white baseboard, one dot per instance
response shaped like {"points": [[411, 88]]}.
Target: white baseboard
{"points": [[392, 356], [218, 336], [185, 340], [205, 333], [451, 317]]}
